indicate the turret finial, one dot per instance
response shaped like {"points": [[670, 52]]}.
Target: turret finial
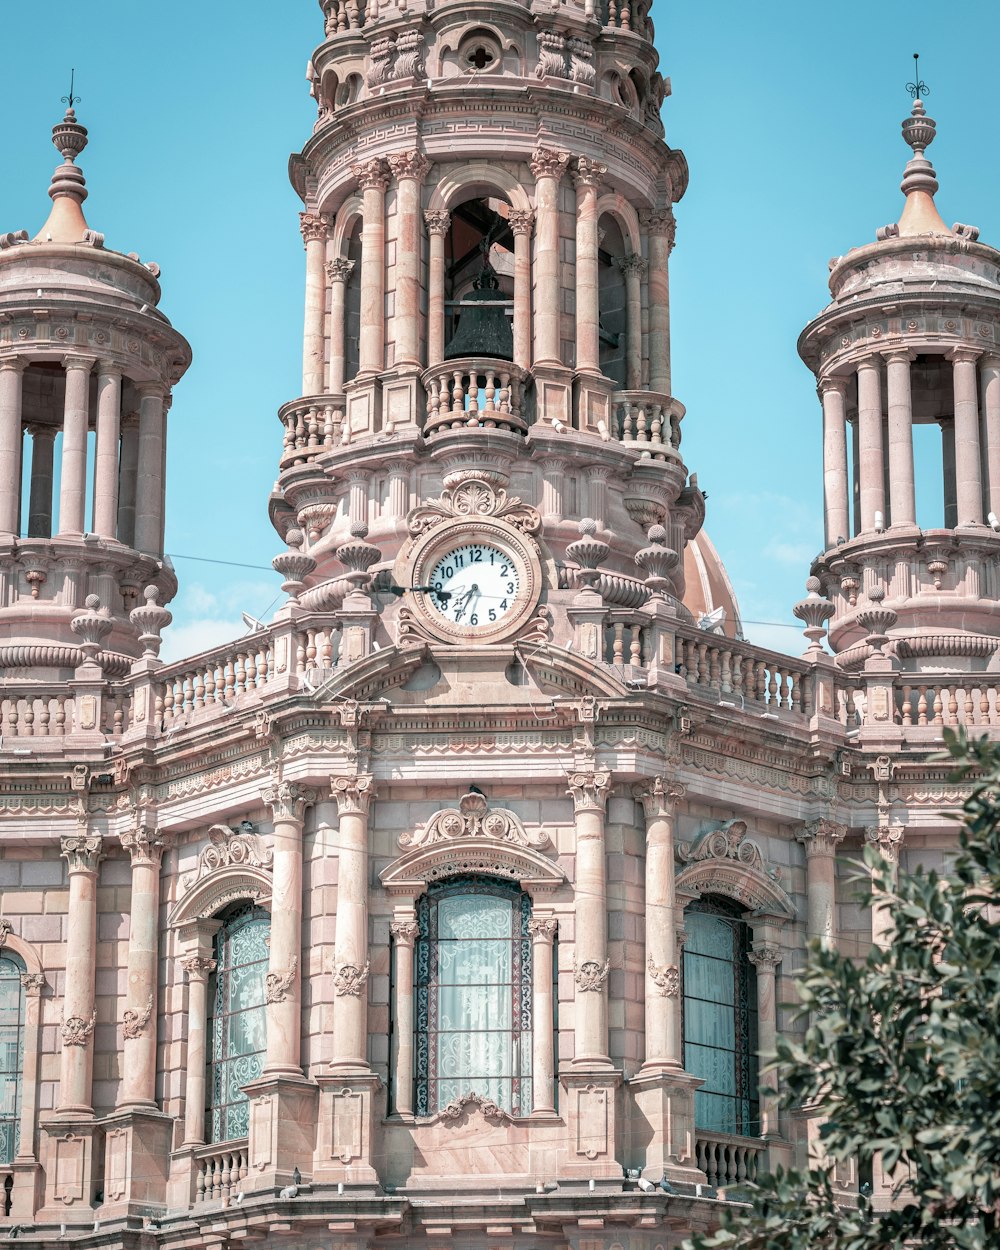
{"points": [[920, 214], [68, 188]]}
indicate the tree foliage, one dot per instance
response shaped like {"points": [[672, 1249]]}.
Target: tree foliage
{"points": [[901, 1057]]}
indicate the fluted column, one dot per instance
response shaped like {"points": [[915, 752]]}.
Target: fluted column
{"points": [[542, 930], [547, 167], [871, 461], [587, 176], [590, 796], [373, 180], [109, 400], [765, 959], [661, 230], [43, 438], [633, 267], [902, 497], [73, 476], [350, 960], [836, 485], [438, 224], [409, 169], [990, 376], [521, 223], [83, 854], [139, 1049], [821, 839], [11, 439], [338, 273], [968, 468], [128, 478], [659, 799], [315, 231], [404, 935], [149, 475], [198, 967], [283, 984]]}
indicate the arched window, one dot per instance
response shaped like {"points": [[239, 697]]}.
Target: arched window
{"points": [[238, 1024], [473, 995], [720, 1017], [11, 1055]]}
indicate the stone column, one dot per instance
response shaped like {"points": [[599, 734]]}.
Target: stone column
{"points": [[836, 487], [43, 439], [968, 469], [109, 399], [198, 968], [149, 474], [338, 273], [821, 839], [659, 799], [634, 268], [283, 985], [33, 984], [587, 177], [990, 374], [315, 229], [871, 461], [83, 854], [521, 222], [373, 180], [887, 839], [902, 499], [765, 959], [76, 416], [404, 935], [11, 438], [661, 228], [590, 797], [543, 931], [409, 169], [139, 1048], [351, 965], [438, 224], [547, 168], [127, 478]]}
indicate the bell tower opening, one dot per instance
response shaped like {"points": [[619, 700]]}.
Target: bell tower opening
{"points": [[479, 280]]}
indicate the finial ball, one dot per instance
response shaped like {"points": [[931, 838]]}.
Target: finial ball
{"points": [[813, 585], [92, 602], [295, 537], [588, 526], [359, 529], [656, 533], [151, 594]]}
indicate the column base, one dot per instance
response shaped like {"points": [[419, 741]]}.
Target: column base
{"points": [[283, 1112], [593, 1125], [592, 400], [137, 1144], [351, 1107], [553, 392], [661, 1116], [68, 1159]]}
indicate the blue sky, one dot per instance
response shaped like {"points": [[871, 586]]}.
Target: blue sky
{"points": [[789, 116]]}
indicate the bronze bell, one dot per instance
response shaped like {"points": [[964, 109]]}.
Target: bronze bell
{"points": [[483, 328]]}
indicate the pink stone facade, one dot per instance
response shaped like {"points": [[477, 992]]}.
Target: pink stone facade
{"points": [[559, 730]]}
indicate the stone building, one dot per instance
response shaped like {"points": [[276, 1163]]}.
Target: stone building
{"points": [[456, 906]]}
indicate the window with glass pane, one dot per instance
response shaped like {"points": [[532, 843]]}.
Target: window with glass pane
{"points": [[720, 1018], [473, 995], [238, 1024], [11, 1055]]}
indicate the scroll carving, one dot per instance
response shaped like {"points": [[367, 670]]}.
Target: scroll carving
{"points": [[473, 499], [277, 984], [591, 975], [474, 819], [667, 980], [230, 848], [349, 980], [489, 1110], [76, 1031], [134, 1022]]}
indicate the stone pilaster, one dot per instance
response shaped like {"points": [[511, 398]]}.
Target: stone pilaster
{"points": [[821, 839], [404, 935], [542, 930]]}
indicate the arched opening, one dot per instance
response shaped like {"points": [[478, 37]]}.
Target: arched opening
{"points": [[479, 236], [11, 1059], [352, 305], [613, 313]]}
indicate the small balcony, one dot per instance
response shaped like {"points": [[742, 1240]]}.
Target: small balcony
{"points": [[474, 394], [729, 1162]]}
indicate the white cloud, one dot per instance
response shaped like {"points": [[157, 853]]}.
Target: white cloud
{"points": [[206, 618]]}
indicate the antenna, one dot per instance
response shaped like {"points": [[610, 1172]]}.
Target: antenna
{"points": [[71, 99]]}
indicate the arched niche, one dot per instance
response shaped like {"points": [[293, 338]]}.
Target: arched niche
{"points": [[477, 179], [24, 951]]}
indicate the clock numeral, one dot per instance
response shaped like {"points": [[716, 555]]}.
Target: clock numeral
{"points": [[510, 588], [493, 614], [477, 555], [474, 619], [503, 605], [504, 570]]}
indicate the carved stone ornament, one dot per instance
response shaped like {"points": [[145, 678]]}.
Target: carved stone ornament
{"points": [[766, 958], [667, 980], [76, 1031], [821, 837], [473, 819], [82, 852], [543, 927], [589, 790], [33, 982], [144, 845], [353, 794], [349, 980], [658, 796], [474, 499], [887, 839], [314, 227], [286, 800], [198, 966], [729, 842], [233, 847], [489, 1110], [277, 984], [591, 975], [549, 162], [405, 932], [6, 929], [134, 1022]]}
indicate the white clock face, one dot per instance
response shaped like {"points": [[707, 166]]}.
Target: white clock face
{"points": [[475, 585]]}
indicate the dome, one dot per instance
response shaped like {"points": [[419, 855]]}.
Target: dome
{"points": [[708, 590]]}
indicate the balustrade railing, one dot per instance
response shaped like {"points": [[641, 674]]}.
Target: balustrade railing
{"points": [[973, 701], [214, 679], [34, 714], [315, 649], [744, 675], [473, 394], [648, 419], [728, 1161], [312, 426], [625, 643], [221, 1170]]}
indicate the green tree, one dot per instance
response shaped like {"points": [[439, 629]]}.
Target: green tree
{"points": [[902, 1057]]}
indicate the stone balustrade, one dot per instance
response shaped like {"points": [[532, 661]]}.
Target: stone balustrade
{"points": [[312, 425], [215, 679], [727, 1160], [315, 648], [744, 675], [344, 15], [647, 419], [625, 643], [221, 1170], [473, 394], [972, 701], [36, 714]]}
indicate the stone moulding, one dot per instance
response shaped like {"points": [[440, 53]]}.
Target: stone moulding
{"points": [[474, 819], [205, 898], [413, 871], [725, 861]]}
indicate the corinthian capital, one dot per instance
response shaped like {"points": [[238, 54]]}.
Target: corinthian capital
{"points": [[887, 838], [633, 263], [412, 165], [144, 844], [314, 227], [590, 790], [353, 794], [658, 796], [766, 958], [660, 222], [437, 221], [821, 837], [197, 967], [83, 852], [339, 270], [588, 173], [287, 800], [548, 163], [520, 220], [371, 174]]}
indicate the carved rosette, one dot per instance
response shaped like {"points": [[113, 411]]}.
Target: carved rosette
{"points": [[404, 932], [76, 1031], [277, 984], [667, 980], [314, 227], [543, 928], [287, 800], [353, 794], [371, 175], [591, 975], [197, 967], [548, 163], [412, 165], [887, 839], [437, 221], [349, 980], [589, 790], [659, 796], [821, 837], [83, 852], [144, 845], [474, 819], [765, 958], [33, 983], [134, 1022]]}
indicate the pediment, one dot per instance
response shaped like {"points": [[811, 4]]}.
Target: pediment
{"points": [[471, 856], [372, 676], [559, 671], [727, 861], [210, 894]]}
